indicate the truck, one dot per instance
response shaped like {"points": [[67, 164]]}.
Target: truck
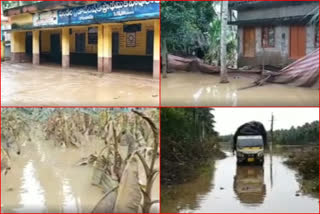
{"points": [[249, 143]]}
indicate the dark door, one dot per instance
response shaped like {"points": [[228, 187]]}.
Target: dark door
{"points": [[80, 42], [249, 42], [297, 42], [55, 45], [29, 43], [150, 36], [115, 43]]}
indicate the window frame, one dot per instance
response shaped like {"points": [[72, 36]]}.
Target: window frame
{"points": [[267, 45]]}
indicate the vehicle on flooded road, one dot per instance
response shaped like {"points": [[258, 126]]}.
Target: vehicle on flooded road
{"points": [[249, 143]]}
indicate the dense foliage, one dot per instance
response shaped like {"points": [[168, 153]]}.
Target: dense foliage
{"points": [[188, 140], [306, 161], [305, 134], [193, 28]]}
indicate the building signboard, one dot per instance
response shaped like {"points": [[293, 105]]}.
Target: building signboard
{"points": [[45, 19], [109, 11]]}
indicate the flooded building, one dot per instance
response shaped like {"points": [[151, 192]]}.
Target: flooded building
{"points": [[275, 33], [108, 35], [5, 38]]}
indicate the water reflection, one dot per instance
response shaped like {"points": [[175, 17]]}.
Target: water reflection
{"points": [[240, 189], [196, 89], [186, 196], [32, 199], [44, 179], [249, 184]]}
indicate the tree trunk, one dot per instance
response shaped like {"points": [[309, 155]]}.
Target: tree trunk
{"points": [[164, 56], [223, 51]]}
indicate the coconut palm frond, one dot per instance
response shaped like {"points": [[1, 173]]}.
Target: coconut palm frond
{"points": [[314, 13]]}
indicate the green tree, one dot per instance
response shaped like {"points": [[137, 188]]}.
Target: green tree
{"points": [[301, 135], [188, 139]]}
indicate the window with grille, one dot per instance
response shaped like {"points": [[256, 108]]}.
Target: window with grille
{"points": [[268, 37]]}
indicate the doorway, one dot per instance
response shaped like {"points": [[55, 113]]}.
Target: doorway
{"points": [[249, 42], [115, 43], [55, 44], [150, 37], [29, 44], [80, 42], [297, 42]]}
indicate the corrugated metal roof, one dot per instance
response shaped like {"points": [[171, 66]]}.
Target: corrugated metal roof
{"points": [[246, 5], [297, 20]]}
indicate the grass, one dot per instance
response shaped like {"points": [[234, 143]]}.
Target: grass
{"points": [[307, 164]]}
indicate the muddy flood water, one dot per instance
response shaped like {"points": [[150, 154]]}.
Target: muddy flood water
{"points": [[240, 189], [198, 89], [28, 85], [45, 178]]}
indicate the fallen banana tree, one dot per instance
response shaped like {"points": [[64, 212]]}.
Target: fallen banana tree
{"points": [[68, 129], [5, 161], [128, 178], [14, 130]]}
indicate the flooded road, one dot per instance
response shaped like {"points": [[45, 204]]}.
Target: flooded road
{"points": [[197, 89], [240, 189], [44, 178], [28, 85]]}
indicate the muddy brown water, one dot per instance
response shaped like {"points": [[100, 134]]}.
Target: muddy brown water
{"points": [[197, 89], [44, 178], [240, 189], [50, 85]]}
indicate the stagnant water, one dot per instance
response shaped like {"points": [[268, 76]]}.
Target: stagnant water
{"points": [[198, 89], [28, 85], [45, 178], [240, 189]]}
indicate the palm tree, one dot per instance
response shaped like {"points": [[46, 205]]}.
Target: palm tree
{"points": [[315, 15]]}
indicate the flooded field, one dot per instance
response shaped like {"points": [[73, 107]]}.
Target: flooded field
{"points": [[45, 178], [28, 85], [197, 89], [66, 160], [240, 189]]}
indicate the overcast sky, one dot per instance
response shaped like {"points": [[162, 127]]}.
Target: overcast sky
{"points": [[229, 119]]}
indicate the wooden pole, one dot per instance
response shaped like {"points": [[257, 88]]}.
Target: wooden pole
{"points": [[223, 46], [270, 148]]}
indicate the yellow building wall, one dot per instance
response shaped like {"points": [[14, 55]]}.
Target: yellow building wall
{"points": [[18, 44], [45, 39], [90, 48], [141, 39], [139, 49], [23, 19]]}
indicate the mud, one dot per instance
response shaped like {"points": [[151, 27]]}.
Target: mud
{"points": [[50, 85], [197, 89], [229, 188]]}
